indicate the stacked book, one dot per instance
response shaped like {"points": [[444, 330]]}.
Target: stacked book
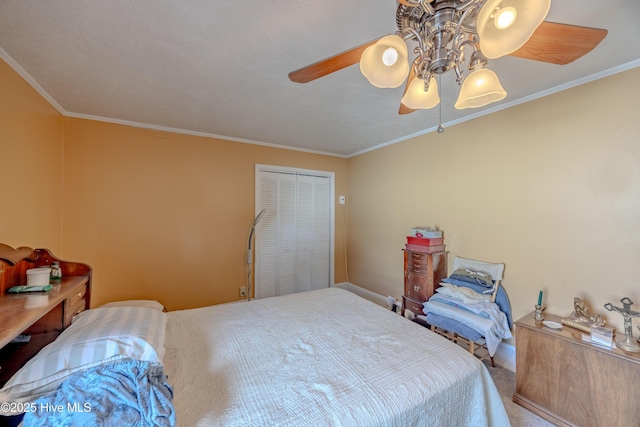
{"points": [[425, 240]]}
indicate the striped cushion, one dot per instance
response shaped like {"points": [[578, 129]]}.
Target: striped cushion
{"points": [[95, 337], [135, 303]]}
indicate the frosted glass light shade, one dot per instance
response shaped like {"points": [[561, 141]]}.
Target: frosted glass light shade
{"points": [[416, 97], [495, 42], [375, 70], [505, 17], [480, 88]]}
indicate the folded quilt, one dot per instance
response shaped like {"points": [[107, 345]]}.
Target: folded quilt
{"points": [[501, 295], [478, 288], [451, 325], [502, 300], [486, 309], [485, 318], [128, 392]]}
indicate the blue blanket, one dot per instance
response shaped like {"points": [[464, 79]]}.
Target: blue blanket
{"points": [[123, 393]]}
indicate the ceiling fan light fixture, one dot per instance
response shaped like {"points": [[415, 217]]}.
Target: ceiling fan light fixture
{"points": [[390, 56], [480, 88], [442, 33], [417, 98], [497, 40], [504, 18], [377, 64]]}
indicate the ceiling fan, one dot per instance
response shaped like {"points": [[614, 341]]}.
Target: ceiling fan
{"points": [[443, 31]]}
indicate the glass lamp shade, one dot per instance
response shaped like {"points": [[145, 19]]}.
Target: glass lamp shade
{"points": [[496, 42], [374, 60], [480, 88], [416, 97]]}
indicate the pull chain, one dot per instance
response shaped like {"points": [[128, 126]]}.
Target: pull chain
{"points": [[440, 127]]}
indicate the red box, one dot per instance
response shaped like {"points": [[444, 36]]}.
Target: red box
{"points": [[425, 241]]}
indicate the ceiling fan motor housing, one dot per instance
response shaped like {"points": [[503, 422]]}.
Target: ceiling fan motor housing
{"points": [[439, 30]]}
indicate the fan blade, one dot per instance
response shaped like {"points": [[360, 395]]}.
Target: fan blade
{"points": [[329, 65], [560, 43], [403, 108]]}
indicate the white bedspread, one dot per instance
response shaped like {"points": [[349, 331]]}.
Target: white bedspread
{"points": [[321, 358]]}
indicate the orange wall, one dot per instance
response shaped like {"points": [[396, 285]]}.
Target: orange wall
{"points": [[167, 216], [31, 153], [157, 215]]}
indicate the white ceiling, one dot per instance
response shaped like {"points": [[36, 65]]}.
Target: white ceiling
{"points": [[220, 68]]}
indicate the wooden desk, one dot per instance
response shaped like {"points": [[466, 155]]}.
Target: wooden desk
{"points": [[43, 316], [571, 382], [21, 311]]}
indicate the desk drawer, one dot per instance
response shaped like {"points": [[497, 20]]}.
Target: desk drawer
{"points": [[413, 306], [73, 300], [417, 286], [75, 304], [418, 263]]}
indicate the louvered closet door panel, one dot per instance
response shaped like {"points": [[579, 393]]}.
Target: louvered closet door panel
{"points": [[306, 231], [322, 230], [267, 245], [287, 201], [286, 274]]}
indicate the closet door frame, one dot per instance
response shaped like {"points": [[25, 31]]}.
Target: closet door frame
{"points": [[289, 170]]}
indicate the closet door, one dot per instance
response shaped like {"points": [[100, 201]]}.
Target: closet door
{"points": [[293, 243], [312, 249], [286, 222]]}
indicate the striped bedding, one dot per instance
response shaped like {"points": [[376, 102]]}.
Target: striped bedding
{"points": [[96, 337]]}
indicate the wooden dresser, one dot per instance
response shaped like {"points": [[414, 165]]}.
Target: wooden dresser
{"points": [[571, 382], [422, 275], [42, 316]]}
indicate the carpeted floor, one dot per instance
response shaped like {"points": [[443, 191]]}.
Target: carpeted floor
{"points": [[505, 381]]}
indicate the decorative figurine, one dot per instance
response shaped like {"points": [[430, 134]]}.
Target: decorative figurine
{"points": [[626, 312], [583, 314]]}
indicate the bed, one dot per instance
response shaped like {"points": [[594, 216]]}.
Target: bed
{"points": [[324, 357]]}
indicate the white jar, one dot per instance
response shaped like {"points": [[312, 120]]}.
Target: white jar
{"points": [[38, 276]]}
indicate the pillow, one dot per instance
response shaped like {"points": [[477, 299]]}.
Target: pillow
{"points": [[472, 276], [461, 293], [97, 336], [135, 303]]}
